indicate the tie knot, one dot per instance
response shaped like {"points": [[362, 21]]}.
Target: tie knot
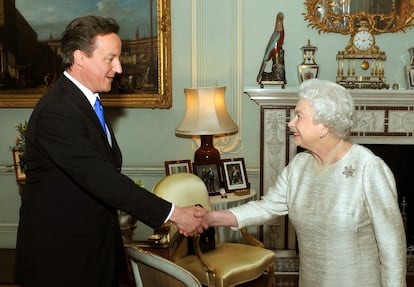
{"points": [[99, 112], [98, 104]]}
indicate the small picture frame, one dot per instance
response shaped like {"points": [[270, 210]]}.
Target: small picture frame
{"points": [[234, 173], [19, 166], [178, 166], [410, 76], [307, 72], [211, 176]]}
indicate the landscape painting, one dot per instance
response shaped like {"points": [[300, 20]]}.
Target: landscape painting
{"points": [[30, 56]]}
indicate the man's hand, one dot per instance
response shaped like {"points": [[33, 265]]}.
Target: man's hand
{"points": [[190, 220]]}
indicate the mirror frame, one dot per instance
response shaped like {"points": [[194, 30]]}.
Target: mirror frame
{"points": [[392, 23], [161, 99]]}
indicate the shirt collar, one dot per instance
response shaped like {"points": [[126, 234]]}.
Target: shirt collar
{"points": [[88, 93]]}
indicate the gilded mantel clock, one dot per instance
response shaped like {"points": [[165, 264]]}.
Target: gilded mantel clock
{"points": [[361, 63]]}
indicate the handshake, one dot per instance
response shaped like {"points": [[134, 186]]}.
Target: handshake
{"points": [[191, 220]]}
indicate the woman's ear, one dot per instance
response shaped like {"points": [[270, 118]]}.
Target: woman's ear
{"points": [[324, 132]]}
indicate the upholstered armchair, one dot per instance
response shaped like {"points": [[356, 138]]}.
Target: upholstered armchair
{"points": [[228, 264]]}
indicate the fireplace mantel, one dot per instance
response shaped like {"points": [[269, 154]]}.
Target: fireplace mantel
{"points": [[381, 117], [288, 96]]}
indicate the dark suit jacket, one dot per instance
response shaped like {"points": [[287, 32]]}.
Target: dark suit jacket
{"points": [[68, 225]]}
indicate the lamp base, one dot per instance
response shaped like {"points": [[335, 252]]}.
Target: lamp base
{"points": [[207, 153]]}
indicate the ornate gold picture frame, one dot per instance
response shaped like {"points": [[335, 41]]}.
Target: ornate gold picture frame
{"points": [[386, 16], [134, 90]]}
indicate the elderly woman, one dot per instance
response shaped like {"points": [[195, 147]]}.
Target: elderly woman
{"points": [[340, 197]]}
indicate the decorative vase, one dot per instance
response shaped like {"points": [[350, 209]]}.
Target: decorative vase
{"points": [[308, 69], [409, 70]]}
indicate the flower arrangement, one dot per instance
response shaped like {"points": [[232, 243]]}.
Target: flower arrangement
{"points": [[20, 143], [139, 182]]}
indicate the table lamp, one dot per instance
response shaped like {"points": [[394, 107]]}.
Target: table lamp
{"points": [[205, 116]]}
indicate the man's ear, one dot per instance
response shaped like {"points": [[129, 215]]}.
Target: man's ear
{"points": [[78, 57]]}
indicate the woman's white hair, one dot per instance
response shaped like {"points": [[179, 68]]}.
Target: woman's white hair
{"points": [[332, 103]]}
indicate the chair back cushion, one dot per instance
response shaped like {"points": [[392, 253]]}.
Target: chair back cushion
{"points": [[183, 189]]}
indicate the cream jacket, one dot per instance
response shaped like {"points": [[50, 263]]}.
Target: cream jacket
{"points": [[347, 220]]}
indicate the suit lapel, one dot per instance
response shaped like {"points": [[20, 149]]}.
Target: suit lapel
{"points": [[84, 105], [76, 96]]}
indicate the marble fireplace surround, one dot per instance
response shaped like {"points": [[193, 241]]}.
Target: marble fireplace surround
{"points": [[382, 117]]}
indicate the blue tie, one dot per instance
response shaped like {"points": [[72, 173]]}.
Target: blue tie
{"points": [[99, 113]]}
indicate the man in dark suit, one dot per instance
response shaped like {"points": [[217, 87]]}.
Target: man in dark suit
{"points": [[69, 231]]}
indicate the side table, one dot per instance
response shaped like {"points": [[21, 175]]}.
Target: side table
{"points": [[226, 234]]}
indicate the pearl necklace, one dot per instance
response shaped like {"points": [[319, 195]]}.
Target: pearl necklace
{"points": [[319, 169]]}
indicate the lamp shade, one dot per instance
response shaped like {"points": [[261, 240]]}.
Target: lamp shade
{"points": [[206, 113]]}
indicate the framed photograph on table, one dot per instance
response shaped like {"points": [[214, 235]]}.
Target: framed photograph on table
{"points": [[234, 173], [211, 176], [19, 166], [178, 166]]}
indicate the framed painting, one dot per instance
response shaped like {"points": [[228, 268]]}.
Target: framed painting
{"points": [[31, 50], [211, 176], [177, 166], [234, 173]]}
